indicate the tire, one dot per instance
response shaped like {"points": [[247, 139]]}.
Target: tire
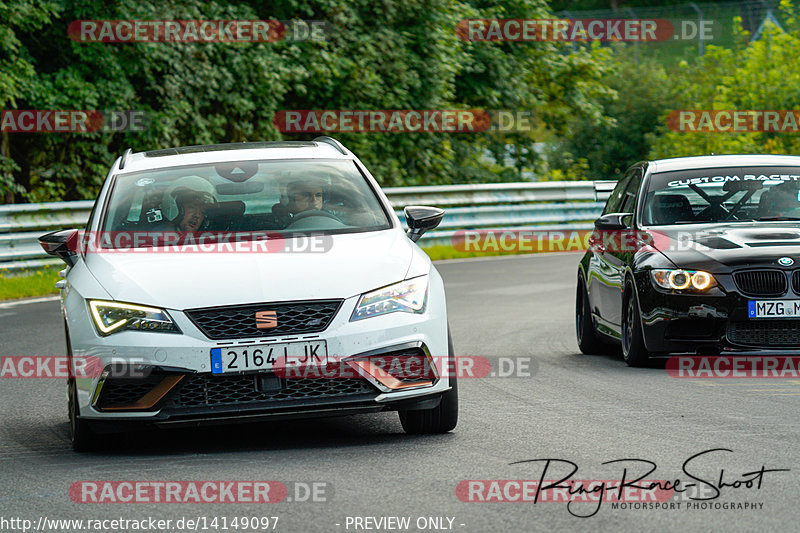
{"points": [[633, 350], [589, 341], [82, 437], [440, 419]]}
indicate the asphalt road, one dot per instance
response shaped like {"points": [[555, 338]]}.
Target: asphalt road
{"points": [[584, 409]]}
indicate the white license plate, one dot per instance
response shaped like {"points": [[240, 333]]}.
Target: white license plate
{"points": [[264, 356], [773, 308]]}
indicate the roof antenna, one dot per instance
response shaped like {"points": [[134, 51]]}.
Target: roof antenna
{"points": [[125, 156]]}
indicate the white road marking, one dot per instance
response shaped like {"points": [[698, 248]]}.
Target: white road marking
{"points": [[15, 303]]}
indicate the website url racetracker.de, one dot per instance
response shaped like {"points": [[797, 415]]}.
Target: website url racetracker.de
{"points": [[105, 525]]}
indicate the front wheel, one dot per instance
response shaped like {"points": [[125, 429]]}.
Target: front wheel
{"points": [[633, 349], [443, 417], [588, 340]]}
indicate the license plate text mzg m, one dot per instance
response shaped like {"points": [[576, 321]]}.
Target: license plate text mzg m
{"points": [[773, 308]]}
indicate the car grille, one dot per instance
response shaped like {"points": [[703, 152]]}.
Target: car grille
{"points": [[796, 281], [239, 321], [120, 392], [761, 282], [777, 333], [200, 390]]}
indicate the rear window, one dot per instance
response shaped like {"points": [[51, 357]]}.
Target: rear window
{"points": [[292, 196]]}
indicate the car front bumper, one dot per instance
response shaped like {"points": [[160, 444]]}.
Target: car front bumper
{"points": [[166, 379], [713, 323]]}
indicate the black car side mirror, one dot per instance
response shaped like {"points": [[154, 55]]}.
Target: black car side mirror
{"points": [[62, 244], [613, 221], [421, 218]]}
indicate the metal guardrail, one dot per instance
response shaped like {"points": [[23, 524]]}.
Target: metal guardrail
{"points": [[558, 204]]}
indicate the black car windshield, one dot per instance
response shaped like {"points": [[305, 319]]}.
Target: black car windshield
{"points": [[734, 194], [284, 197]]}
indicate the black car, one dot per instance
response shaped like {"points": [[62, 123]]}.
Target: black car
{"points": [[695, 255]]}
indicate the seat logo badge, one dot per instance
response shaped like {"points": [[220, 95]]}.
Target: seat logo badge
{"points": [[266, 319], [786, 261]]}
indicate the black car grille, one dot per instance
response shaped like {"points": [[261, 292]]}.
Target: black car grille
{"points": [[201, 390], [770, 333], [240, 321], [761, 282], [120, 392], [796, 281]]}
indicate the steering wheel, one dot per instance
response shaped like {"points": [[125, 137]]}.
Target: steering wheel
{"points": [[313, 213], [713, 213]]}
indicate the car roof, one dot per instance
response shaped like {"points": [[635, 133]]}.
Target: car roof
{"points": [[719, 161], [221, 153]]}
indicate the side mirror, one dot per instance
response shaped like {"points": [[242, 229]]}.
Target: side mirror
{"points": [[613, 221], [420, 219], [62, 244]]}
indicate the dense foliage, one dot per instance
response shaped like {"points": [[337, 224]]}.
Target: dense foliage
{"points": [[596, 109], [383, 54]]}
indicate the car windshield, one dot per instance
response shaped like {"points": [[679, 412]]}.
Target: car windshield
{"points": [[285, 197], [722, 195]]}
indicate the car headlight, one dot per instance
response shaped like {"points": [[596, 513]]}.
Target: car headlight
{"points": [[683, 280], [408, 296], [112, 317]]}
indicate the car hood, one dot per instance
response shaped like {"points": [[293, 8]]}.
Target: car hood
{"points": [[728, 246], [353, 264]]}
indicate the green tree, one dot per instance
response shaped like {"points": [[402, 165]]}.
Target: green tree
{"points": [[383, 55], [641, 93], [754, 75]]}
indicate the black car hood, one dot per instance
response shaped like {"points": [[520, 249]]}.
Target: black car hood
{"points": [[724, 247]]}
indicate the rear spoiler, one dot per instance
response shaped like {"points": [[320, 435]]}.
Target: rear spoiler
{"points": [[603, 188]]}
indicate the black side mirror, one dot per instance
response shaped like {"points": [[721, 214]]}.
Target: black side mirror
{"points": [[420, 219], [613, 221], [62, 244]]}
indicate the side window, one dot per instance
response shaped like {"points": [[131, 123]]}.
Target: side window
{"points": [[617, 196], [632, 191]]}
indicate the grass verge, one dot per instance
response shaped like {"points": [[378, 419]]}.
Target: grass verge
{"points": [[437, 253], [28, 283]]}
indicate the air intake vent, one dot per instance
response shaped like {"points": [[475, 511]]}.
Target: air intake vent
{"points": [[796, 281], [761, 282], [765, 333]]}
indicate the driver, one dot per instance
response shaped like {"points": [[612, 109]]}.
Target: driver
{"points": [[304, 196], [192, 207]]}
